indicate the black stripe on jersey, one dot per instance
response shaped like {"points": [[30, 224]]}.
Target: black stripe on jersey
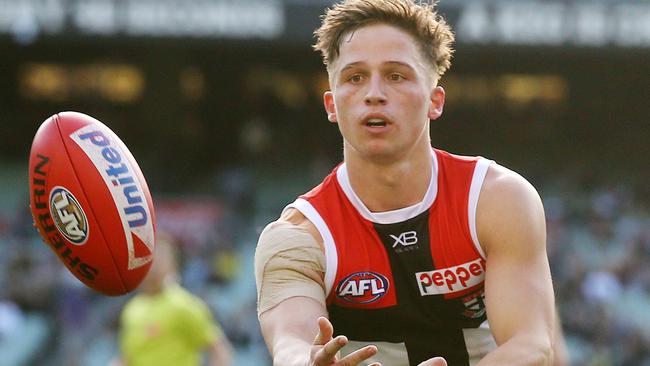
{"points": [[429, 332], [429, 326]]}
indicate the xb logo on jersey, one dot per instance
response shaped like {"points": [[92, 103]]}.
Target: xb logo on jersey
{"points": [[405, 241]]}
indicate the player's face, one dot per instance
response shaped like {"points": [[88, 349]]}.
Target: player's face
{"points": [[383, 94]]}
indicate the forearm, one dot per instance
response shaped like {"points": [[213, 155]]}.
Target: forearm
{"points": [[289, 330], [291, 351], [520, 351], [117, 361], [221, 353]]}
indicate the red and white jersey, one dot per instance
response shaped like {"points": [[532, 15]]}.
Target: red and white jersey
{"points": [[409, 280]]}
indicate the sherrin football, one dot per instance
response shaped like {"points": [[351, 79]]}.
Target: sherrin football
{"points": [[90, 202]]}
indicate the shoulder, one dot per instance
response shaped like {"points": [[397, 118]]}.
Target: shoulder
{"points": [[186, 305], [501, 183], [291, 225], [179, 297], [509, 207], [132, 306]]}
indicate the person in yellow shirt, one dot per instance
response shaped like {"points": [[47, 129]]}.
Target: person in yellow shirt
{"points": [[165, 324]]}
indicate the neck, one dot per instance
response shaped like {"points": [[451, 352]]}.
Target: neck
{"points": [[383, 186], [153, 287]]}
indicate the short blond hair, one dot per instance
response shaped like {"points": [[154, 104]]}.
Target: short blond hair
{"points": [[430, 31]]}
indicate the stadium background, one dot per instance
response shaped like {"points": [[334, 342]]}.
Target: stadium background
{"points": [[220, 102]]}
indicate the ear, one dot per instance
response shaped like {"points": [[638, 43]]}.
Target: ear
{"points": [[437, 102], [328, 101]]}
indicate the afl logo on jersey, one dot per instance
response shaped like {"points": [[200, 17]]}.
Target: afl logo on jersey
{"points": [[68, 216], [362, 287]]}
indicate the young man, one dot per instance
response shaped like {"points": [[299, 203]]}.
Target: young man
{"points": [[404, 250]]}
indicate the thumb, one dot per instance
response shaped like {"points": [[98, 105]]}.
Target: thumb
{"points": [[436, 361], [325, 331]]}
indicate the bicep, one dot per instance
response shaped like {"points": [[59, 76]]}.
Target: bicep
{"points": [[519, 293], [519, 297], [289, 262]]}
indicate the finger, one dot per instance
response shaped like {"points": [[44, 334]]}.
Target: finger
{"points": [[436, 361], [331, 348], [325, 331], [359, 355]]}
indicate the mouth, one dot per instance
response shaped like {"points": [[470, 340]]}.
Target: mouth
{"points": [[376, 122]]}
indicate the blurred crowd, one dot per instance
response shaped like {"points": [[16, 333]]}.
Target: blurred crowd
{"points": [[598, 244], [599, 248]]}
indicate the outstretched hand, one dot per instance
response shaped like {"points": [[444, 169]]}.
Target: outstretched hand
{"points": [[325, 350], [436, 361]]}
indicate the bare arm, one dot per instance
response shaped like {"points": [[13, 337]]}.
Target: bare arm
{"points": [[519, 294], [289, 330], [220, 353], [293, 315], [298, 333], [560, 352], [116, 361]]}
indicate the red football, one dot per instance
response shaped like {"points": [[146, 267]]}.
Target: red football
{"points": [[90, 202]]}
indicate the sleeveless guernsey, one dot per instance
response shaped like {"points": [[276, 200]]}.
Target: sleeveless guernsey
{"points": [[408, 280]]}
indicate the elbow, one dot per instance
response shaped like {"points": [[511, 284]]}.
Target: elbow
{"points": [[536, 355], [547, 357], [523, 351], [541, 349], [539, 352], [545, 353]]}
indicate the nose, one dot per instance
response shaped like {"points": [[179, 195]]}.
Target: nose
{"points": [[375, 94]]}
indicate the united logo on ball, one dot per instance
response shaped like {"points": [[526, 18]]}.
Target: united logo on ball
{"points": [[68, 216]]}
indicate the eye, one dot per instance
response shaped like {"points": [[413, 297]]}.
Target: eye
{"points": [[396, 77], [356, 78]]}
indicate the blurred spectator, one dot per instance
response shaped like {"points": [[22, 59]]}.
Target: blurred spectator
{"points": [[165, 324]]}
